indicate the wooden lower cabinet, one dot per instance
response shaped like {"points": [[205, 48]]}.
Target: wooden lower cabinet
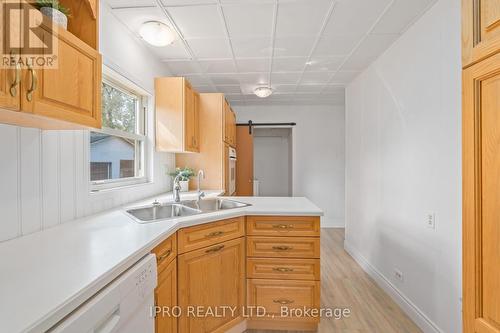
{"points": [[166, 299], [210, 278], [216, 276]]}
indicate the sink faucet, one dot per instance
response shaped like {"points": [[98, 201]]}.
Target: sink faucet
{"points": [[201, 175], [177, 187]]}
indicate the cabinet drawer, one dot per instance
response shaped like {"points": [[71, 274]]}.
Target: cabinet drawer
{"points": [[283, 247], [166, 252], [283, 225], [199, 236], [274, 294], [286, 269]]}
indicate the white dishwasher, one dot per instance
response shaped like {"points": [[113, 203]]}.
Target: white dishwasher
{"points": [[123, 306]]}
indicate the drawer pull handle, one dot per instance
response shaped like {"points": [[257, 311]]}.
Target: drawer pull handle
{"points": [[215, 234], [17, 80], [164, 255], [282, 248], [282, 269], [34, 83], [215, 249], [282, 226], [283, 301]]}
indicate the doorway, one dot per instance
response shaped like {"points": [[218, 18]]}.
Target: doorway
{"points": [[272, 162]]}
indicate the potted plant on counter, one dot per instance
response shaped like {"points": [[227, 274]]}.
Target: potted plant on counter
{"points": [[186, 174], [53, 9]]}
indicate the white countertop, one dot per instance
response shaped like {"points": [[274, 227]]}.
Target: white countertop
{"points": [[46, 275]]}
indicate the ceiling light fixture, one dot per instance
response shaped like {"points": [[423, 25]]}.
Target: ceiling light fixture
{"points": [[263, 92], [157, 33]]}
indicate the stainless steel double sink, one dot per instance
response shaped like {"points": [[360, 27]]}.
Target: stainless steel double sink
{"points": [[167, 211]]}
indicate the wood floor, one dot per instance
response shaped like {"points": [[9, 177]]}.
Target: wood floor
{"points": [[345, 285]]}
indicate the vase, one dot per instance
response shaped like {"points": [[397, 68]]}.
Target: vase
{"points": [[57, 17], [184, 185]]}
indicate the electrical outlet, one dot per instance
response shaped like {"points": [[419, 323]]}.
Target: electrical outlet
{"points": [[430, 220], [398, 274]]}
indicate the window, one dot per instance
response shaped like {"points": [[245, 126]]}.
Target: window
{"points": [[117, 150]]}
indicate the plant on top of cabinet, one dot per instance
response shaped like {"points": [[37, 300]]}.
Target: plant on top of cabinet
{"points": [[177, 117], [57, 85], [186, 175]]}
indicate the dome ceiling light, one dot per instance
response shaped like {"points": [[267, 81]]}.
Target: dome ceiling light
{"points": [[263, 92], [157, 33]]}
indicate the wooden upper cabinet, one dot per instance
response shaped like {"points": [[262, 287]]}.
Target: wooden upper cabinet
{"points": [[72, 91], [229, 125], [480, 30], [64, 96], [10, 77], [177, 115]]}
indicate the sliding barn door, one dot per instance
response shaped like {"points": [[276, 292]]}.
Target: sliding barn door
{"points": [[244, 163], [481, 172]]}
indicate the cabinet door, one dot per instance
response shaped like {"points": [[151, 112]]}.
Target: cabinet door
{"points": [[481, 195], [72, 91], [226, 119], [233, 128], [481, 29], [10, 77], [196, 121], [166, 299], [212, 277], [189, 118]]}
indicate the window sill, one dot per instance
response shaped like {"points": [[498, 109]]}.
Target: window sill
{"points": [[109, 187]]}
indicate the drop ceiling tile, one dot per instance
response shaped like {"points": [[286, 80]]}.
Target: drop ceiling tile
{"points": [[249, 19], [343, 77], [210, 48], [284, 88], [289, 64], [198, 21], [255, 78], [369, 50], [218, 66], [249, 65], [251, 47], [293, 46], [336, 44], [176, 50], [310, 88], [205, 89], [315, 77], [285, 78], [400, 15], [181, 68], [225, 79], [186, 2], [248, 88], [130, 3], [333, 89], [358, 16], [301, 17], [197, 80], [324, 64], [133, 18], [230, 89]]}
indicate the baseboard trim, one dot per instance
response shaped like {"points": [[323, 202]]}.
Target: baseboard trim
{"points": [[417, 315]]}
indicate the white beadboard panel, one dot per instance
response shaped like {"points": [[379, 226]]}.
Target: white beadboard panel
{"points": [[50, 179], [81, 171], [10, 226], [67, 173], [30, 179]]}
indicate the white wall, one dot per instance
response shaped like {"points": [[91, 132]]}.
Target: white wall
{"points": [[318, 157], [403, 161], [44, 175]]}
